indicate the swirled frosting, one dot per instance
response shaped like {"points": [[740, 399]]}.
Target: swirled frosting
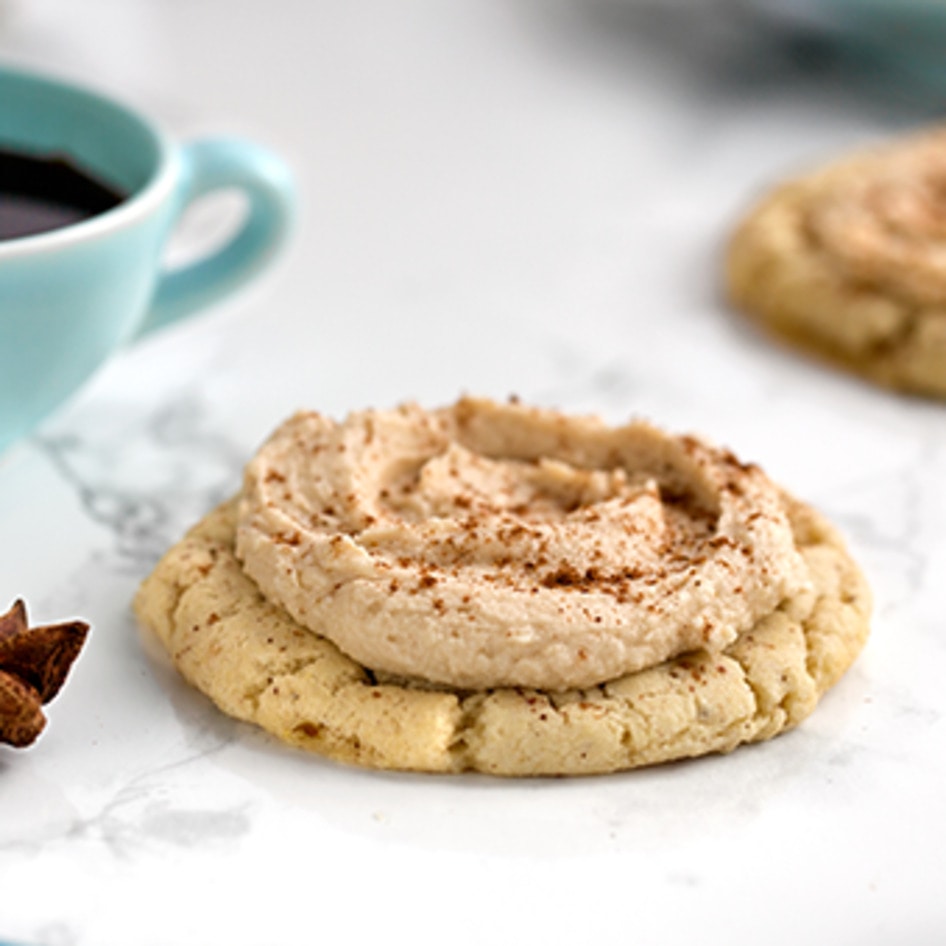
{"points": [[883, 219], [488, 544]]}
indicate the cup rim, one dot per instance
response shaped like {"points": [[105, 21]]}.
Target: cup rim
{"points": [[151, 193]]}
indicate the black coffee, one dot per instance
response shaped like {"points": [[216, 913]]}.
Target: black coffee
{"points": [[45, 193]]}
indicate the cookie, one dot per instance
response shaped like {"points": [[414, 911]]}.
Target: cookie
{"points": [[849, 263], [260, 665]]}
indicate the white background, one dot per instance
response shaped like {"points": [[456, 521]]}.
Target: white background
{"points": [[495, 197]]}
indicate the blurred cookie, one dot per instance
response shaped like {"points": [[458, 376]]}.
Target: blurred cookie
{"points": [[712, 610], [849, 262]]}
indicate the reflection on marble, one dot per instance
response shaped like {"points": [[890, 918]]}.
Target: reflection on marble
{"points": [[499, 196]]}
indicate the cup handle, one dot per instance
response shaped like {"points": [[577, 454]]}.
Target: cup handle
{"points": [[215, 164]]}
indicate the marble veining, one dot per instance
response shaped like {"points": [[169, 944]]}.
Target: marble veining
{"points": [[496, 197], [190, 468]]}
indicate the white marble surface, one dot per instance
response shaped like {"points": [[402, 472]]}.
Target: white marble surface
{"points": [[496, 196]]}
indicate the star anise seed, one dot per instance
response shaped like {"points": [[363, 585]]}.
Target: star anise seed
{"points": [[21, 718], [34, 664]]}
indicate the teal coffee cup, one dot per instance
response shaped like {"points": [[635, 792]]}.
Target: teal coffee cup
{"points": [[90, 191]]}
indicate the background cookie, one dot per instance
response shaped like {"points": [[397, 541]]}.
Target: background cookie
{"points": [[258, 665], [850, 262]]}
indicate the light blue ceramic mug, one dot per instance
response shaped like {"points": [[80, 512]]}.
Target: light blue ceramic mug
{"points": [[71, 297]]}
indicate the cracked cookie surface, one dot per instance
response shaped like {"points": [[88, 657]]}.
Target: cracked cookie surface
{"points": [[849, 263], [259, 665]]}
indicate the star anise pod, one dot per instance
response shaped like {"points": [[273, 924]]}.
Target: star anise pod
{"points": [[34, 663]]}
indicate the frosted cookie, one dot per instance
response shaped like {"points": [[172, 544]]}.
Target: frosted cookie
{"points": [[849, 262], [510, 590]]}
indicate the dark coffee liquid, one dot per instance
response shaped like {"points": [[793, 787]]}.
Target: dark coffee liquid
{"points": [[45, 193]]}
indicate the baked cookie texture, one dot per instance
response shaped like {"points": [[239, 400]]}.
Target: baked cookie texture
{"points": [[259, 665], [849, 263]]}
